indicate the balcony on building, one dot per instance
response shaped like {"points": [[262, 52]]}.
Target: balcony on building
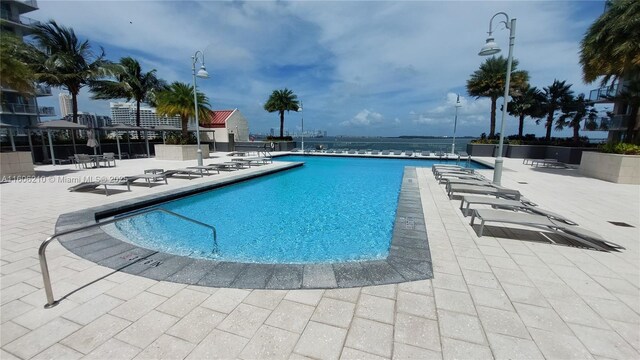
{"points": [[27, 109], [25, 5], [605, 93], [611, 123]]}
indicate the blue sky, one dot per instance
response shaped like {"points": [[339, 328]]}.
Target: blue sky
{"points": [[371, 68]]}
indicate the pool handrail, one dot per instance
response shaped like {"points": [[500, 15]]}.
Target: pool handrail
{"points": [[51, 302]]}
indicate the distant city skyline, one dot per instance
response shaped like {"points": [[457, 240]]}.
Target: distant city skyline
{"points": [[360, 68]]}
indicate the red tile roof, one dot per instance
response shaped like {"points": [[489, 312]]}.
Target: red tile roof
{"points": [[218, 118]]}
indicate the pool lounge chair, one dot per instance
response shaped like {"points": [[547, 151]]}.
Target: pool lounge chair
{"points": [[230, 165], [91, 185], [149, 178], [351, 151], [170, 173], [397, 152], [509, 205], [483, 190], [574, 233], [375, 152], [446, 176], [548, 163], [330, 151], [455, 181], [426, 153], [408, 153], [361, 152], [385, 152]]}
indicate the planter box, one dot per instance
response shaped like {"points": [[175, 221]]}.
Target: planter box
{"points": [[622, 169], [180, 152], [16, 163]]}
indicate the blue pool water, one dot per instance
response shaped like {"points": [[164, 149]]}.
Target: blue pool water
{"points": [[332, 209]]}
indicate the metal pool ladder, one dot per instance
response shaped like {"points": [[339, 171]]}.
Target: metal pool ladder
{"points": [[51, 302]]}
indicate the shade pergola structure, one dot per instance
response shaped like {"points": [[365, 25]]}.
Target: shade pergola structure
{"points": [[9, 128], [124, 127], [192, 128], [55, 125], [164, 129]]}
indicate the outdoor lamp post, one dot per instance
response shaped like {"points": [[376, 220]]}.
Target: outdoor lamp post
{"points": [[455, 125], [491, 48], [302, 119], [203, 74]]}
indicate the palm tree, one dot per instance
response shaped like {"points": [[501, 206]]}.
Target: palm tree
{"points": [[177, 99], [555, 96], [489, 81], [14, 72], [130, 83], [610, 49], [527, 103], [281, 101], [63, 60], [574, 110], [610, 46]]}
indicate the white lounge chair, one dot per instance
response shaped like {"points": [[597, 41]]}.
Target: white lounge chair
{"points": [[149, 178], [574, 233], [91, 185], [509, 205], [483, 190]]}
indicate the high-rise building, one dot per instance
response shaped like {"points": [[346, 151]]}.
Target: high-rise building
{"points": [[17, 109], [93, 120], [66, 107], [125, 113]]}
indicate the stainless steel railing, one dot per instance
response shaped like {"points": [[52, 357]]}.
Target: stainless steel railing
{"points": [[51, 302]]}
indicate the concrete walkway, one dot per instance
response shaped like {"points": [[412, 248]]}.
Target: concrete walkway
{"points": [[491, 297]]}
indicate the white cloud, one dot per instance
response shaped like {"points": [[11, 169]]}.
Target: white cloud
{"points": [[364, 118]]}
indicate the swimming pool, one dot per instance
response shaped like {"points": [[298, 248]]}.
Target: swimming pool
{"points": [[332, 209]]}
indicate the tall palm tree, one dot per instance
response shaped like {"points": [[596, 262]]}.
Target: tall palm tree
{"points": [[489, 81], [177, 99], [527, 103], [63, 60], [14, 72], [281, 101], [574, 110], [610, 48], [130, 83], [555, 96]]}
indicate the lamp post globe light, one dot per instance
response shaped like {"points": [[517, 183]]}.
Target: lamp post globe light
{"points": [[455, 125], [203, 74], [491, 48]]}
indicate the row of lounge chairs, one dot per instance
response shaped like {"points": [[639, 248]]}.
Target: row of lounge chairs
{"points": [[151, 176], [508, 206], [408, 153]]}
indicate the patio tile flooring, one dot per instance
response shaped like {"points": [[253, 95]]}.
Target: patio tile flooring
{"points": [[491, 297]]}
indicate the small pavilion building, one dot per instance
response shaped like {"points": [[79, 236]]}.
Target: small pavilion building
{"points": [[228, 124]]}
